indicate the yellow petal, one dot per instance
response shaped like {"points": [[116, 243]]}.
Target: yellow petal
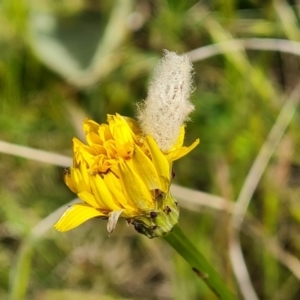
{"points": [[179, 142], [89, 199], [99, 149], [85, 156], [69, 180], [78, 181], [75, 216], [182, 151], [145, 168], [102, 194], [82, 153], [85, 174], [77, 144], [90, 126], [135, 187], [110, 148], [104, 132], [115, 188], [134, 126], [122, 135], [93, 138], [161, 164]]}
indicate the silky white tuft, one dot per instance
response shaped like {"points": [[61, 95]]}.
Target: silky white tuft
{"points": [[167, 105]]}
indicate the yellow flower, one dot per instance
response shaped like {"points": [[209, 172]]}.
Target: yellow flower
{"points": [[121, 172]]}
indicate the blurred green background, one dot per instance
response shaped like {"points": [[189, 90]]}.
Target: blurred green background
{"points": [[61, 61]]}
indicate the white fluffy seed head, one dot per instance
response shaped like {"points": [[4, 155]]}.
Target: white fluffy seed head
{"points": [[167, 105]]}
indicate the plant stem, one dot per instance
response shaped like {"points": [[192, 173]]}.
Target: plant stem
{"points": [[178, 240]]}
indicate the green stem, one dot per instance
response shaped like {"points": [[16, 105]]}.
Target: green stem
{"points": [[178, 240]]}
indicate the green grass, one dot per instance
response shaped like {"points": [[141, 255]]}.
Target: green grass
{"points": [[44, 95]]}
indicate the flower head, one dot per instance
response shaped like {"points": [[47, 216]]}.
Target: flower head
{"points": [[122, 172], [125, 169]]}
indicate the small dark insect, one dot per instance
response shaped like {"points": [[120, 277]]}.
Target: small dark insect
{"points": [[139, 228], [153, 214], [158, 195], [167, 209], [173, 174]]}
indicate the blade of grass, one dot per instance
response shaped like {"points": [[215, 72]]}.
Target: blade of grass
{"points": [[178, 240]]}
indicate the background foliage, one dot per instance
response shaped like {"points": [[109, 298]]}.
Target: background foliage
{"points": [[63, 60]]}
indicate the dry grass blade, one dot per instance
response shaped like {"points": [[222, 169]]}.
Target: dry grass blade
{"points": [[35, 154], [193, 199], [281, 45]]}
